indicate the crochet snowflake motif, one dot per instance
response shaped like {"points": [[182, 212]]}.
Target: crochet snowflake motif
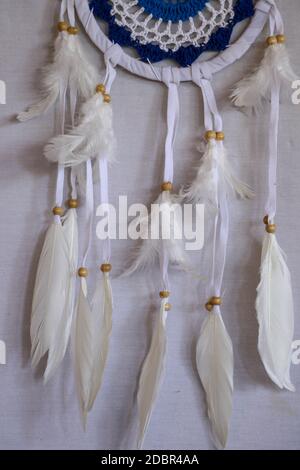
{"points": [[172, 29]]}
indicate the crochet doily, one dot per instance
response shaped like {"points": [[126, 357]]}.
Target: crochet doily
{"points": [[177, 29]]}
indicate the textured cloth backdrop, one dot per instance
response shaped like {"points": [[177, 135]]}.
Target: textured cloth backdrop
{"points": [[36, 417]]}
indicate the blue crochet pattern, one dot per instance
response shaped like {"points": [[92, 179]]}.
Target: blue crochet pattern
{"points": [[174, 12]]}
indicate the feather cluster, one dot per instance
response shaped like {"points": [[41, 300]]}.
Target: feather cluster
{"points": [[252, 90], [53, 297], [161, 230], [275, 314], [152, 373], [68, 69], [214, 357], [93, 136], [91, 341]]}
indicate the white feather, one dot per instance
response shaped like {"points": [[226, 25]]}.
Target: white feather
{"points": [[252, 90], [50, 294], [102, 306], [93, 136], [152, 373], [83, 345], [169, 214], [60, 343], [275, 314], [69, 68], [214, 358]]}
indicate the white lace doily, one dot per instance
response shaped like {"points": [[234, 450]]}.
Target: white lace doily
{"points": [[172, 36]]}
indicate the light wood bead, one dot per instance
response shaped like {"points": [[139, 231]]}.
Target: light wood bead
{"points": [[105, 267], [266, 219], [215, 301], [73, 203], [280, 38], [100, 88], [168, 307], [209, 306], [167, 186], [210, 135], [106, 98], [73, 30], [57, 210], [271, 40], [271, 228], [83, 272], [164, 294], [62, 26], [220, 135]]}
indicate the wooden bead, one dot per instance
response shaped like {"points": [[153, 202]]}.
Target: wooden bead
{"points": [[215, 301], [105, 267], [73, 203], [164, 294], [210, 135], [73, 30], [167, 186], [209, 307], [83, 272], [271, 228], [271, 40], [280, 38], [100, 88], [57, 210], [220, 135], [168, 307], [266, 219], [62, 26], [106, 98]]}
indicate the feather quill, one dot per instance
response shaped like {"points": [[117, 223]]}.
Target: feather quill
{"points": [[50, 294], [60, 343], [92, 136], [275, 314], [151, 374], [252, 90], [69, 68], [165, 217], [214, 357]]}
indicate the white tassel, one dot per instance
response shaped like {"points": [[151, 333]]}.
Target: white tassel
{"points": [[151, 374], [83, 344], [69, 68], [102, 306], [275, 314], [60, 343], [92, 136], [252, 90], [50, 297], [205, 186], [150, 249], [215, 367]]}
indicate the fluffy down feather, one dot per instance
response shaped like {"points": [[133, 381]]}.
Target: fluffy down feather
{"points": [[93, 136], [275, 314]]}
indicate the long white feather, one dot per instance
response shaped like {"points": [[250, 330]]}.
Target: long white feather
{"points": [[83, 345], [275, 314], [167, 219], [151, 374], [50, 294], [252, 90], [214, 358], [60, 343], [93, 136], [68, 68], [102, 306]]}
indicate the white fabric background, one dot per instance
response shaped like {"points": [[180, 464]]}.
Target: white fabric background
{"points": [[36, 417]]}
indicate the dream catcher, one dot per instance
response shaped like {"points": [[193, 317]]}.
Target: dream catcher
{"points": [[156, 30]]}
